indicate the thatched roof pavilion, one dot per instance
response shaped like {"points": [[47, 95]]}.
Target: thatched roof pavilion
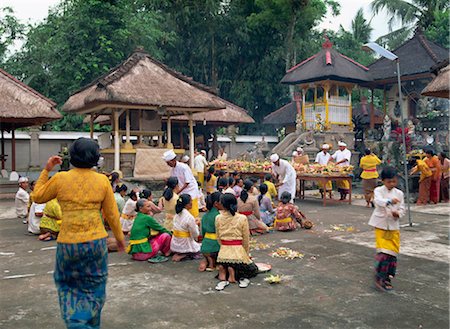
{"points": [[21, 106], [439, 86], [142, 83]]}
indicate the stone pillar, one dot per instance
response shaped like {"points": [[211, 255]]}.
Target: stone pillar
{"points": [[34, 149]]}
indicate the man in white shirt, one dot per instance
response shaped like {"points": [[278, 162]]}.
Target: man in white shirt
{"points": [[22, 199], [222, 155], [342, 158], [186, 180], [200, 165], [34, 217], [286, 175], [322, 158]]}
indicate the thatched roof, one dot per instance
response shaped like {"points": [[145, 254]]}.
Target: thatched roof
{"points": [[328, 64], [439, 86], [101, 119], [230, 115], [285, 115], [142, 82], [22, 106], [416, 57]]}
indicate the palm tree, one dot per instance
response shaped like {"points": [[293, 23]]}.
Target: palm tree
{"points": [[361, 29], [410, 14]]}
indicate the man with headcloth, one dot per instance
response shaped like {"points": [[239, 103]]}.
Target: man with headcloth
{"points": [[186, 179], [322, 158], [286, 175], [342, 158]]}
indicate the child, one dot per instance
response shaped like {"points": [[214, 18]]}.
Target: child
{"points": [[248, 206], [185, 231], [389, 207], [201, 198], [143, 246], [238, 187], [272, 190], [154, 209], [265, 206], [220, 174], [230, 185], [210, 246], [287, 214], [51, 221], [232, 233], [211, 181], [168, 201], [222, 185], [129, 213], [119, 195]]}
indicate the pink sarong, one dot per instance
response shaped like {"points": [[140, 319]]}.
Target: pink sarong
{"points": [[161, 242]]}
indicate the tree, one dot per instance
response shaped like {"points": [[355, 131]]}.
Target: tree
{"points": [[10, 30], [411, 14]]}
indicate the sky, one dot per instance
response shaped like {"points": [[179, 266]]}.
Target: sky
{"points": [[33, 11]]}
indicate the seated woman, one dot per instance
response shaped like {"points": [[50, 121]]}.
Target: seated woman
{"points": [[232, 233], [287, 214], [148, 237], [238, 187], [265, 206], [119, 195], [168, 201], [129, 213], [248, 206], [211, 181], [51, 221], [210, 246], [185, 231], [154, 209]]}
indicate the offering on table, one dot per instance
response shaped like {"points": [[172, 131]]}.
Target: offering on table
{"points": [[242, 166], [316, 169]]}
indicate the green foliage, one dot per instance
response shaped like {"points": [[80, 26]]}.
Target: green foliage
{"points": [[438, 31], [10, 30]]}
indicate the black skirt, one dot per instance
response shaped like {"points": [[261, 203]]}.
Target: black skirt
{"points": [[243, 271]]}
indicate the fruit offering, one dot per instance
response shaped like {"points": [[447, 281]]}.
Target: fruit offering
{"points": [[242, 166], [327, 170], [286, 253]]}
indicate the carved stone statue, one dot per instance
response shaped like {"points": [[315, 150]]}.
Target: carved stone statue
{"points": [[386, 128], [411, 129], [299, 122], [319, 123]]}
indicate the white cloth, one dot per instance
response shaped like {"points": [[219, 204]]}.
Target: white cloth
{"points": [[341, 155], [33, 220], [185, 222], [21, 203], [342, 144], [326, 146], [287, 175], [169, 155], [274, 157], [230, 190], [184, 175], [322, 158], [23, 180], [129, 209], [200, 163], [222, 157], [382, 215]]}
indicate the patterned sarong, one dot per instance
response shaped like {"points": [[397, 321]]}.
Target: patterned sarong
{"points": [[81, 273]]}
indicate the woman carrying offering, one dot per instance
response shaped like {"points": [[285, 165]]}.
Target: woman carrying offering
{"points": [[233, 236], [81, 268], [424, 180], [369, 175], [148, 237], [210, 246], [248, 206], [168, 201], [185, 231]]}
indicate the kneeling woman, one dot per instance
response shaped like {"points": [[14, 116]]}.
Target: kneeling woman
{"points": [[185, 231], [147, 236], [233, 236]]}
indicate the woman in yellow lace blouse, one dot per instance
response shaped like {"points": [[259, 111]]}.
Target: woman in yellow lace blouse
{"points": [[81, 268]]}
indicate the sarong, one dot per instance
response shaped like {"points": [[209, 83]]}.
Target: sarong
{"points": [[161, 242], [194, 210], [368, 186], [328, 186], [201, 178], [343, 186], [434, 190], [385, 266], [424, 191], [388, 247], [444, 195], [81, 272]]}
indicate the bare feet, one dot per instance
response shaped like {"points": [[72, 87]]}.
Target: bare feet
{"points": [[178, 257], [231, 275], [222, 273], [45, 236], [202, 266]]}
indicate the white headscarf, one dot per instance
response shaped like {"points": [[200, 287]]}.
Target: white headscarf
{"points": [[169, 155], [274, 157]]}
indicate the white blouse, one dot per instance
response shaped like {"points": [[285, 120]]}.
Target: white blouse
{"points": [[185, 222]]}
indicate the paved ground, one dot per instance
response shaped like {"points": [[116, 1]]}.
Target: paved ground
{"points": [[331, 287]]}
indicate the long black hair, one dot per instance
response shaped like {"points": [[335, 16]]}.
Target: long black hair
{"points": [[146, 193], [229, 203], [263, 189], [220, 174], [210, 173], [114, 176], [211, 199], [222, 183], [230, 181], [182, 202], [172, 182], [388, 172], [120, 188], [248, 184], [84, 153], [285, 197]]}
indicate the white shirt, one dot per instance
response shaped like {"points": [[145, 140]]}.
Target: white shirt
{"points": [[287, 175], [230, 191], [184, 175], [185, 222], [322, 158], [222, 157], [33, 220], [200, 163], [382, 215], [21, 202], [341, 155]]}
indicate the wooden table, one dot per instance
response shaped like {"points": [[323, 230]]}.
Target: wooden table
{"points": [[323, 180]]}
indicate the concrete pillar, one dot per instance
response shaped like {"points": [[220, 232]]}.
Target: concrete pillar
{"points": [[34, 149], [191, 140], [91, 126], [128, 144], [169, 132], [116, 141], [3, 155], [13, 149]]}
